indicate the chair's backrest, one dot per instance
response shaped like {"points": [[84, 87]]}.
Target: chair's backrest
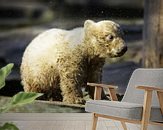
{"points": [[146, 77]]}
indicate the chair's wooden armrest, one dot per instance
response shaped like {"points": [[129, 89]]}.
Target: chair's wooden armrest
{"points": [[148, 100], [98, 89], [102, 85], [149, 88]]}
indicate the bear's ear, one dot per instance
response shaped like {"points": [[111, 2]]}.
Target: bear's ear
{"points": [[88, 23], [89, 27]]}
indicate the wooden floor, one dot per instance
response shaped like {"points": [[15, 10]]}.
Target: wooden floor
{"points": [[57, 121]]}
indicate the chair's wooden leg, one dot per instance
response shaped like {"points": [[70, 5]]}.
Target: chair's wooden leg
{"points": [[97, 94], [113, 95], [160, 98], [124, 125], [146, 109], [94, 121]]}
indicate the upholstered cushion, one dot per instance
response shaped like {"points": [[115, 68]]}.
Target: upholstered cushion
{"points": [[125, 110]]}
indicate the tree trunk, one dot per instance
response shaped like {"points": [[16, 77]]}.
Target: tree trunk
{"points": [[153, 34]]}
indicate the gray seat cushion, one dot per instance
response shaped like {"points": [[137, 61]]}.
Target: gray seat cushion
{"points": [[125, 110]]}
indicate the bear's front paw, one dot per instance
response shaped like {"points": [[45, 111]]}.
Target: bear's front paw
{"points": [[75, 100], [79, 101]]}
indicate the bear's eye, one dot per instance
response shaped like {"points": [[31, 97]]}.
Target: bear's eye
{"points": [[109, 37]]}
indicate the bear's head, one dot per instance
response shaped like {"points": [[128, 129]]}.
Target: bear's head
{"points": [[105, 38]]}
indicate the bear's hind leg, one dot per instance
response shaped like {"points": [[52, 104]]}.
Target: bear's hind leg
{"points": [[47, 93]]}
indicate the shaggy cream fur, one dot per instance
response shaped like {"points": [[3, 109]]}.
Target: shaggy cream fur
{"points": [[59, 62]]}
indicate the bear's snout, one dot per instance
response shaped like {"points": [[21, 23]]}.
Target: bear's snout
{"points": [[123, 50]]}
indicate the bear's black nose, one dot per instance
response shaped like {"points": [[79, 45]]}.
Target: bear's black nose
{"points": [[124, 49]]}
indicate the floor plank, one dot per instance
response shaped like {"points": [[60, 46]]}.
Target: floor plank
{"points": [[57, 121]]}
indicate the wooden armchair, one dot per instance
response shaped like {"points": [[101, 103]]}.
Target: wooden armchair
{"points": [[138, 107]]}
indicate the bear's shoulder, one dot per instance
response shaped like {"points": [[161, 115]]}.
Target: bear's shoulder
{"points": [[75, 37], [51, 34], [54, 36]]}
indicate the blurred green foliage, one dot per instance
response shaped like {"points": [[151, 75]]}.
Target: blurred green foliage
{"points": [[19, 99]]}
